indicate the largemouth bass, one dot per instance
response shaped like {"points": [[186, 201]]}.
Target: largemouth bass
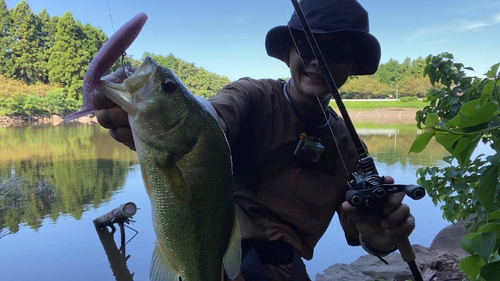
{"points": [[186, 167]]}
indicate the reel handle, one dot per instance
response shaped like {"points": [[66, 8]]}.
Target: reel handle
{"points": [[414, 191]]}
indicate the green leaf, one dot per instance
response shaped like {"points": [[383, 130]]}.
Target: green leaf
{"points": [[454, 122], [431, 120], [421, 142], [495, 159], [472, 113], [490, 227], [471, 266], [464, 149], [494, 215], [487, 91], [448, 141], [466, 243], [491, 271], [484, 244], [492, 73], [487, 187]]}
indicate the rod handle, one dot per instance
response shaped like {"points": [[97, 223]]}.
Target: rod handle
{"points": [[405, 249]]}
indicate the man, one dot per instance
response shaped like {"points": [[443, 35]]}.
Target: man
{"points": [[286, 192]]}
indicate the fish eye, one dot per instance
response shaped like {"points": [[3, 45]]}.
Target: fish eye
{"points": [[169, 86]]}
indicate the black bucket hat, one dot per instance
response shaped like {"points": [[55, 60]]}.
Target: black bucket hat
{"points": [[345, 19]]}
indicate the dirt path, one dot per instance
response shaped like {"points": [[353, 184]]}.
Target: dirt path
{"points": [[384, 115]]}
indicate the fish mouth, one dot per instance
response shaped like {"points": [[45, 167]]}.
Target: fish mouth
{"points": [[122, 93]]}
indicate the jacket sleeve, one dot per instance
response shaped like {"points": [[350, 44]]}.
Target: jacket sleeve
{"points": [[233, 105]]}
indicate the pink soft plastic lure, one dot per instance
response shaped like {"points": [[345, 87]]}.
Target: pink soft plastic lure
{"points": [[105, 58]]}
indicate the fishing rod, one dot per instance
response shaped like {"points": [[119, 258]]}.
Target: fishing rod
{"points": [[366, 190]]}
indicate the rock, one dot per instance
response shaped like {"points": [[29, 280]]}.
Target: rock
{"points": [[342, 272], [439, 262], [447, 241], [397, 268]]}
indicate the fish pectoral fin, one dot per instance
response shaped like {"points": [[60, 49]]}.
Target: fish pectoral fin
{"points": [[232, 257], [173, 176], [161, 270]]}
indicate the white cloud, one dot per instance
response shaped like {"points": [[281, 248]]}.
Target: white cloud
{"points": [[427, 35], [472, 26], [496, 18]]}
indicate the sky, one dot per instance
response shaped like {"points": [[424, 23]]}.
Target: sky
{"points": [[227, 36]]}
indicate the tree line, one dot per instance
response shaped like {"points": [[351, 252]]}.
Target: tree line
{"points": [[52, 53]]}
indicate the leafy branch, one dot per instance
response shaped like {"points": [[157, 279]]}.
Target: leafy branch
{"points": [[462, 111]]}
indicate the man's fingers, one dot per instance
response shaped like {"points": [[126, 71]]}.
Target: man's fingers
{"points": [[396, 217], [358, 214], [393, 202], [388, 180], [403, 229], [123, 135], [101, 101], [112, 118]]}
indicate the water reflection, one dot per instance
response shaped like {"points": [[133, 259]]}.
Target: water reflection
{"points": [[69, 175], [390, 144], [57, 170], [116, 257]]}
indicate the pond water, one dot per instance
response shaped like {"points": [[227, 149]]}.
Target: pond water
{"points": [[74, 173]]}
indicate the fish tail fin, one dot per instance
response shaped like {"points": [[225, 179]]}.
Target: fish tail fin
{"points": [[160, 269], [81, 113], [232, 257]]}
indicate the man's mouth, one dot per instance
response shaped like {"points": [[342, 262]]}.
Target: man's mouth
{"points": [[314, 76]]}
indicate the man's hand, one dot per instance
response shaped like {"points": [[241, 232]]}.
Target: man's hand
{"points": [[110, 115], [382, 229]]}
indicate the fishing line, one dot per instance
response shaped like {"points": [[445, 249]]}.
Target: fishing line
{"points": [[113, 27], [136, 232], [109, 11]]}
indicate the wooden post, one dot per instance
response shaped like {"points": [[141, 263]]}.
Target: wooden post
{"points": [[119, 215], [116, 257]]}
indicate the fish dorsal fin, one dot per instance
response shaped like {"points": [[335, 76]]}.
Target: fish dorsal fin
{"points": [[232, 257], [160, 269]]}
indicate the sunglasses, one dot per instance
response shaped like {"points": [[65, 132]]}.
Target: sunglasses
{"points": [[338, 52]]}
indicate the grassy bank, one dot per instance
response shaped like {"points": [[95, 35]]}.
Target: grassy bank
{"points": [[367, 105]]}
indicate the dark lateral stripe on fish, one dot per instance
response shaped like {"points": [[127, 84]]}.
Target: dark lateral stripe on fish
{"points": [[104, 60]]}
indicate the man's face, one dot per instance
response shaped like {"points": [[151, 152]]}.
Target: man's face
{"points": [[307, 76]]}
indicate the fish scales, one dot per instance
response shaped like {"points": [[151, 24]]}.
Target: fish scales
{"points": [[186, 166]]}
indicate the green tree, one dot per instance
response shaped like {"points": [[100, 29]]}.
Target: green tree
{"points": [[46, 35], [390, 72], [414, 86], [197, 79], [417, 67], [4, 35], [365, 87], [64, 61], [169, 61], [23, 45], [462, 112]]}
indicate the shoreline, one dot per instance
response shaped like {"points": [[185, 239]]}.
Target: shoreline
{"points": [[40, 120], [378, 115]]}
